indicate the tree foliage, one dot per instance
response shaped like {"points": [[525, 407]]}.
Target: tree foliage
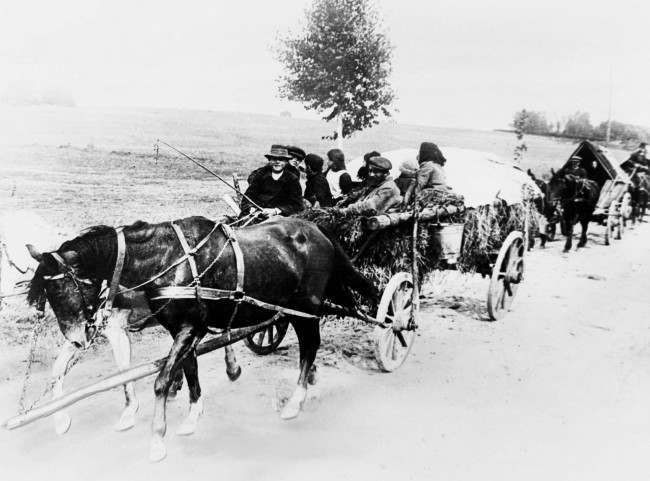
{"points": [[340, 64], [531, 122], [579, 125]]}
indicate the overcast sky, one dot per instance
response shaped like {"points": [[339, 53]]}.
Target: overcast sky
{"points": [[456, 63]]}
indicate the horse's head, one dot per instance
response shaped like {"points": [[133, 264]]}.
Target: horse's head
{"points": [[561, 187], [72, 290]]}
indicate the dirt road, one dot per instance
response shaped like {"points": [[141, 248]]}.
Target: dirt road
{"points": [[557, 390]]}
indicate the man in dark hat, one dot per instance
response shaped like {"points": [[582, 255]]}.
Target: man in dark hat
{"points": [[638, 159], [273, 188], [575, 167], [362, 173], [297, 156], [317, 190], [382, 193], [431, 172]]}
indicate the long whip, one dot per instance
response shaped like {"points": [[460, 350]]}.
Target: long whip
{"points": [[211, 172]]}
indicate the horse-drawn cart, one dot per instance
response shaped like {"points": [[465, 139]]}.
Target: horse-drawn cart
{"points": [[502, 263], [614, 207]]}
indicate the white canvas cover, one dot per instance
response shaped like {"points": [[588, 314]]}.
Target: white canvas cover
{"points": [[480, 177]]}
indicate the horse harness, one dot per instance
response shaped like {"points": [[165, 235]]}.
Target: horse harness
{"points": [[196, 291]]}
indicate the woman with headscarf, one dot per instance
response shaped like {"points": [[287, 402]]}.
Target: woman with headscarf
{"points": [[430, 171]]}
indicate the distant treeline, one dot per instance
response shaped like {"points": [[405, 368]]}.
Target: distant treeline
{"points": [[578, 126]]}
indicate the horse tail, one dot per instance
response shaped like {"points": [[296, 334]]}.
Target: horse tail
{"points": [[344, 273]]}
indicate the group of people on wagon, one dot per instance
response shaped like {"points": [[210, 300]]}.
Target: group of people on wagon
{"points": [[276, 188]]}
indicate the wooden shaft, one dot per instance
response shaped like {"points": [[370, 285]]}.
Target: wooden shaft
{"points": [[415, 273], [122, 377], [384, 221]]}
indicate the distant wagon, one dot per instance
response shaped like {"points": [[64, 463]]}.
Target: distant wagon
{"points": [[614, 207]]}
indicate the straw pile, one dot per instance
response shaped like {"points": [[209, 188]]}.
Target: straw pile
{"points": [[389, 251]]}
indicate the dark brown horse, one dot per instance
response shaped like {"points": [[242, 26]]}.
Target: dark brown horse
{"points": [[575, 199], [288, 262]]}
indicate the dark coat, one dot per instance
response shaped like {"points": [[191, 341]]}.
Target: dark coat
{"points": [[317, 189], [284, 194]]}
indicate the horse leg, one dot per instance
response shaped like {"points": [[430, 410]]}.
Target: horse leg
{"points": [[584, 222], [569, 236], [116, 334], [177, 384], [184, 342], [233, 370], [61, 418], [191, 370], [308, 332]]}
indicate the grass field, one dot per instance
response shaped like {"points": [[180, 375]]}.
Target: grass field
{"points": [[79, 167]]}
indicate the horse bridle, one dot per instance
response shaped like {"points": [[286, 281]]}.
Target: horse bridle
{"points": [[69, 273]]}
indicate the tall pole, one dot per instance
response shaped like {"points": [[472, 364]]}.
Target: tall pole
{"points": [[609, 117]]}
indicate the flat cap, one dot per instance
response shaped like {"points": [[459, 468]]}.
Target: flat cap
{"points": [[296, 152], [380, 163]]}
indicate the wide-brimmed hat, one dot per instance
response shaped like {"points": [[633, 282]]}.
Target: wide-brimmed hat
{"points": [[278, 152], [380, 163]]}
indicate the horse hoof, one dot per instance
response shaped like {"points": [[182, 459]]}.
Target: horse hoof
{"points": [[127, 419], [290, 411], [187, 428], [294, 405], [312, 377], [62, 423], [233, 376], [158, 451]]}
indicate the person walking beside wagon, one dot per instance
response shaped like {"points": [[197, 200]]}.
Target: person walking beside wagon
{"points": [[337, 177], [273, 187]]}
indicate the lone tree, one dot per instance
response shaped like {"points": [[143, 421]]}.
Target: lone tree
{"points": [[339, 65]]}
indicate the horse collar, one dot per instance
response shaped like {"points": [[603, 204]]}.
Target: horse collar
{"points": [[117, 272]]}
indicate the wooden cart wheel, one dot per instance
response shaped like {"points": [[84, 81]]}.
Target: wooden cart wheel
{"points": [[393, 344], [507, 274], [268, 339], [625, 210]]}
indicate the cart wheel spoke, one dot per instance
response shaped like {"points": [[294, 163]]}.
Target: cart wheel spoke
{"points": [[508, 271], [392, 346]]}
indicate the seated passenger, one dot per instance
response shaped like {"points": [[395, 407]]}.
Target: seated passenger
{"points": [[362, 173], [297, 156], [431, 172], [408, 174], [382, 193], [317, 190], [276, 190], [337, 177]]}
